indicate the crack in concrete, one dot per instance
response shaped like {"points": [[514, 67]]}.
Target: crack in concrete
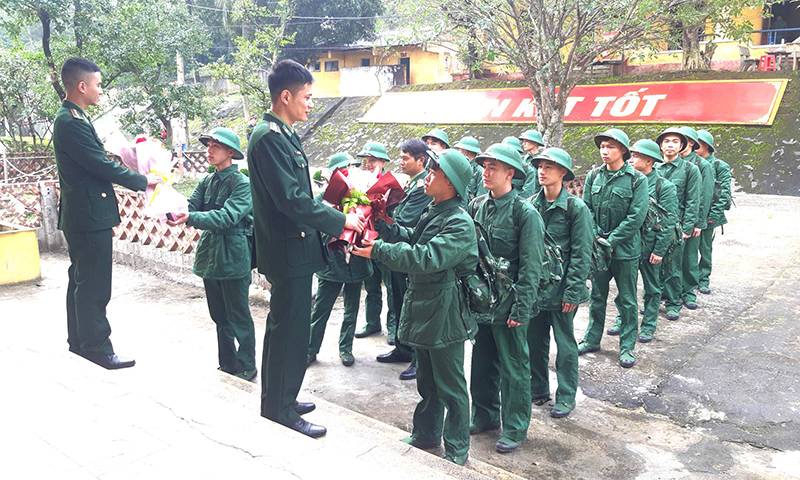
{"points": [[370, 449], [757, 445]]}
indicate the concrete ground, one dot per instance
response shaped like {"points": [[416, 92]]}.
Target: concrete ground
{"points": [[713, 396]]}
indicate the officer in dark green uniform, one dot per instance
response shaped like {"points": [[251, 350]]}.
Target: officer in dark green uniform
{"points": [[532, 142], [375, 158], [87, 212], [470, 148], [691, 250], [288, 222], [686, 178], [721, 201], [526, 186], [341, 272], [655, 239], [500, 377], [221, 205], [435, 319], [437, 140], [617, 196], [413, 158], [569, 222]]}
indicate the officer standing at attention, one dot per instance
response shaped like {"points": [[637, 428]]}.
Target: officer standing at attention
{"points": [[644, 155], [721, 201], [288, 222], [569, 222], [691, 250], [470, 148], [437, 140], [435, 319], [532, 142], [339, 273], [526, 186], [500, 377], [374, 157], [617, 196], [413, 157], [87, 211], [686, 178], [221, 205]]}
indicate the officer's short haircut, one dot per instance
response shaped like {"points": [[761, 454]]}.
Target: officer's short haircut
{"points": [[288, 75], [414, 147], [75, 70]]}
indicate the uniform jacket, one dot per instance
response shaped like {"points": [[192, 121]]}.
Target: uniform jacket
{"points": [[569, 222], [706, 188], [686, 178], [475, 187], [408, 211], [666, 196], [434, 254], [287, 220], [618, 202], [722, 173], [521, 242], [530, 186], [221, 206], [85, 174]]}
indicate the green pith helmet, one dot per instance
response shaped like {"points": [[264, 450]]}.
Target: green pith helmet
{"points": [[706, 137], [226, 137], [374, 149], [341, 160], [691, 134], [469, 144], [438, 134], [649, 148], [506, 154], [533, 136], [618, 135], [558, 156], [457, 169], [514, 143], [673, 131]]}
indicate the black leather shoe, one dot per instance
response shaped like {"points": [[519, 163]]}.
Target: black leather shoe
{"points": [[691, 305], [366, 332], [109, 362], [540, 400], [394, 357], [409, 373], [704, 290], [475, 429], [304, 407], [503, 447], [308, 428]]}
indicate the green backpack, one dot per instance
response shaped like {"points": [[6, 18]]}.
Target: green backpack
{"points": [[655, 221]]}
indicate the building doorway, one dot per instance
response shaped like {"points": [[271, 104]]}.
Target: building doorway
{"points": [[406, 63]]}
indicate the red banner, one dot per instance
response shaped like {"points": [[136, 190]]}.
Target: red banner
{"points": [[744, 102]]}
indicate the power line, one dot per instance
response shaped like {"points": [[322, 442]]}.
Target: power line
{"points": [[326, 18]]}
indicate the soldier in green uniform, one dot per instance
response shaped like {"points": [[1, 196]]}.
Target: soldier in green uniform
{"points": [[374, 157], [407, 213], [532, 142], [617, 196], [87, 211], [341, 272], [221, 205], [569, 222], [721, 201], [526, 186], [686, 178], [437, 140], [500, 376], [288, 222], [691, 268], [655, 242], [435, 318], [470, 148]]}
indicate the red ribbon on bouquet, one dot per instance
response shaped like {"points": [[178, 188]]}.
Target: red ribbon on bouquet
{"points": [[386, 193]]}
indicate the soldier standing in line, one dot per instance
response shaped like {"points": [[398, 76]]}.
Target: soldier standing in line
{"points": [[221, 205], [655, 239], [526, 186], [691, 250], [435, 319], [413, 159], [437, 140], [617, 196], [569, 222], [87, 211], [721, 201], [374, 157], [339, 273], [500, 377], [532, 142], [470, 148], [686, 178], [288, 222]]}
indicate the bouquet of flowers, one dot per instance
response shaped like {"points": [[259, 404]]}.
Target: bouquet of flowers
{"points": [[364, 193], [149, 156]]}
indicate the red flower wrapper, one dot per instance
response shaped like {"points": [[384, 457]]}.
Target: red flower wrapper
{"points": [[385, 193]]}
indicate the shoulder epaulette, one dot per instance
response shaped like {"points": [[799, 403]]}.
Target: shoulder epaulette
{"points": [[274, 127], [76, 113], [420, 183]]}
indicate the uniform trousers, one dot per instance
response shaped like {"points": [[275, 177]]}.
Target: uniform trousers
{"points": [[691, 269], [625, 274], [327, 292], [706, 243], [672, 279], [566, 354], [374, 301], [651, 278], [229, 307]]}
